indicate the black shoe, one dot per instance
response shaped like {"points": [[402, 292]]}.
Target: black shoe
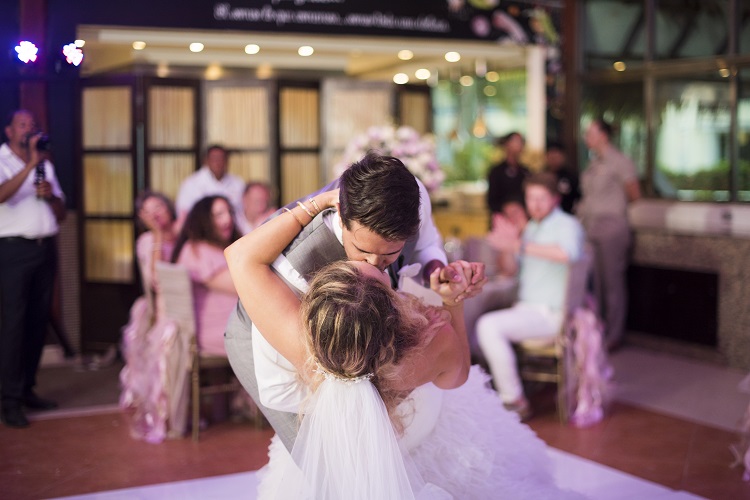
{"points": [[34, 402], [13, 416]]}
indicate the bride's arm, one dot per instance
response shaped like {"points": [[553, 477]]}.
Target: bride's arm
{"points": [[270, 303]]}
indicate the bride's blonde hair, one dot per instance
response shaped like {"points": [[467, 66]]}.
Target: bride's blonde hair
{"points": [[356, 325]]}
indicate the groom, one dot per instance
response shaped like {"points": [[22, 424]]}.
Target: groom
{"points": [[385, 219]]}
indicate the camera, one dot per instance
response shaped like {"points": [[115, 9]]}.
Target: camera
{"points": [[43, 144]]}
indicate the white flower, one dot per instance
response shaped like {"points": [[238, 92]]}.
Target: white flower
{"points": [[415, 151]]}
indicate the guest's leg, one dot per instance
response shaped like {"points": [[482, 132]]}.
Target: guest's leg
{"points": [[497, 330], [613, 240]]}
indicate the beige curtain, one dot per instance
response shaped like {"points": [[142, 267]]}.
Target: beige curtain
{"points": [[107, 117], [171, 117], [168, 170], [108, 189], [109, 251], [415, 111], [237, 117], [299, 118], [301, 175]]}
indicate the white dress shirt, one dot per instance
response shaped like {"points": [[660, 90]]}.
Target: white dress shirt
{"points": [[203, 183], [23, 214]]}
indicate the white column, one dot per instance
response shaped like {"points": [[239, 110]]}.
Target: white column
{"points": [[536, 98]]}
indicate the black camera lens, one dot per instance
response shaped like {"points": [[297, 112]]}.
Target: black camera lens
{"points": [[43, 144]]}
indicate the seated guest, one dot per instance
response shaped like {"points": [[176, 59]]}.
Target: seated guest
{"points": [[208, 230], [156, 217], [539, 255], [256, 206], [141, 388]]}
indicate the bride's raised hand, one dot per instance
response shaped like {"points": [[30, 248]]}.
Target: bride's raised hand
{"points": [[451, 291]]}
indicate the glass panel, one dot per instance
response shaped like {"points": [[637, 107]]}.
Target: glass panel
{"points": [[237, 117], [743, 137], [692, 139], [250, 166], [108, 189], [691, 29], [613, 30], [300, 115], [106, 117], [168, 170], [171, 115], [109, 251], [301, 175], [620, 105], [415, 111]]}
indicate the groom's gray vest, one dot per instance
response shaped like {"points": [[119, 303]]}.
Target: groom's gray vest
{"points": [[315, 247]]}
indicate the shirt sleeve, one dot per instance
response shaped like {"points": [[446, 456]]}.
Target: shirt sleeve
{"points": [[52, 179], [429, 243], [571, 239], [185, 196]]}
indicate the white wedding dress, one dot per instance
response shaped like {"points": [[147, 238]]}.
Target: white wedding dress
{"points": [[463, 443]]}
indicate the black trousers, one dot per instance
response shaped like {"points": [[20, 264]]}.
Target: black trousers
{"points": [[27, 274]]}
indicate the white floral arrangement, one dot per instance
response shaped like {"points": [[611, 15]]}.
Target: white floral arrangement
{"points": [[405, 143]]}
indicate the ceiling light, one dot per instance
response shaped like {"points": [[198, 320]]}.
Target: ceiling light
{"points": [[492, 76], [466, 81], [196, 47], [724, 72], [305, 51], [80, 43], [489, 91], [619, 66], [422, 73], [213, 71], [452, 56], [401, 78], [251, 49], [162, 70], [405, 54], [264, 71], [138, 45]]}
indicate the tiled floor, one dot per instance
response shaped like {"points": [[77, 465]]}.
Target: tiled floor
{"points": [[671, 424]]}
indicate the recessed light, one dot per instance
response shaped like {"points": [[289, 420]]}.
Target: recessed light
{"points": [[138, 45], [619, 66], [405, 54], [80, 43], [196, 47], [422, 73], [452, 56], [251, 49], [214, 71], [401, 78], [489, 90], [466, 81], [724, 72], [305, 51], [492, 76]]}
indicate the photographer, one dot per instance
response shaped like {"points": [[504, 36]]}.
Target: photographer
{"points": [[31, 206]]}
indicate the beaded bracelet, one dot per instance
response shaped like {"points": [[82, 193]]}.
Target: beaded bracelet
{"points": [[295, 216]]}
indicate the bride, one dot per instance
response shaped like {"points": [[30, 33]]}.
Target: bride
{"points": [[394, 409]]}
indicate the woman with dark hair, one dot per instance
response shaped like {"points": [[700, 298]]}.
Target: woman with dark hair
{"points": [[209, 228], [380, 420]]}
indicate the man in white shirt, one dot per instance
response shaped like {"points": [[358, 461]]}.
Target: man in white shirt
{"points": [[31, 206], [212, 179]]}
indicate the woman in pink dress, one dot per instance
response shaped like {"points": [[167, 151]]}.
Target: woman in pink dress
{"points": [[209, 228]]}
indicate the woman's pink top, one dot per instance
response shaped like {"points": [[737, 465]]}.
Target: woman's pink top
{"points": [[212, 307]]}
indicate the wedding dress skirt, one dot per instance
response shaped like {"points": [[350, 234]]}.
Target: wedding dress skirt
{"points": [[463, 443]]}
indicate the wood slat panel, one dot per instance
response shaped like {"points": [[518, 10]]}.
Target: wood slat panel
{"points": [[109, 184], [109, 251], [237, 117], [251, 166], [171, 117], [349, 116], [415, 111], [301, 175], [107, 120], [168, 170], [299, 117]]}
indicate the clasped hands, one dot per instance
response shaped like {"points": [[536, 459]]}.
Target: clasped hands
{"points": [[458, 281]]}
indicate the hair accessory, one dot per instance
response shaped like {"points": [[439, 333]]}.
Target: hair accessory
{"points": [[339, 378], [307, 211], [314, 204], [295, 216]]}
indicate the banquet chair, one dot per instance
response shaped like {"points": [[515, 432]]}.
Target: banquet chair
{"points": [[552, 360], [176, 289]]}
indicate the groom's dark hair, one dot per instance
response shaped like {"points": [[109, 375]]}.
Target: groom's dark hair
{"points": [[381, 194]]}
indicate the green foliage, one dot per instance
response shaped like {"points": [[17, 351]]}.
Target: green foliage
{"points": [[471, 160]]}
